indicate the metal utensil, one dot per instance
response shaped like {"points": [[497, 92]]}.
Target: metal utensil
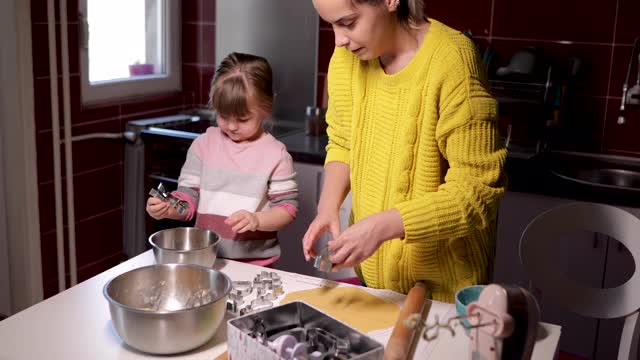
{"points": [[164, 195], [185, 245], [166, 309]]}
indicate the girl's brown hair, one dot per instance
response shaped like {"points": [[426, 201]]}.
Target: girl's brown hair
{"points": [[238, 78], [410, 12]]}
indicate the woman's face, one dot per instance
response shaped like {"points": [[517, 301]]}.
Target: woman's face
{"points": [[360, 28]]}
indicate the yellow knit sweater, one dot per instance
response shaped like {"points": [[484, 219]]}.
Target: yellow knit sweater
{"points": [[425, 142]]}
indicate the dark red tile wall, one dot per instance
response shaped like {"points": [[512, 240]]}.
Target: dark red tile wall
{"points": [[98, 164], [601, 35]]}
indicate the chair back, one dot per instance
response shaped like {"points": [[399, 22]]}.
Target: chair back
{"points": [[539, 241]]}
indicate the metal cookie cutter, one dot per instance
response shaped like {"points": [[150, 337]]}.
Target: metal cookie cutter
{"points": [[322, 262], [162, 194]]}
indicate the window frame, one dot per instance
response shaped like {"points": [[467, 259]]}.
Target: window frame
{"points": [[105, 91]]}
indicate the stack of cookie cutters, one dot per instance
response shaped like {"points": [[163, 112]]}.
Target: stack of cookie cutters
{"points": [[267, 286]]}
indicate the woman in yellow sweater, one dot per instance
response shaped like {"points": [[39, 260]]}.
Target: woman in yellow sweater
{"points": [[413, 135]]}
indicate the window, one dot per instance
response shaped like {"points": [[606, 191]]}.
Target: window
{"points": [[128, 48]]}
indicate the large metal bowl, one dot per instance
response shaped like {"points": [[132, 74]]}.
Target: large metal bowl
{"points": [[167, 308], [185, 245]]}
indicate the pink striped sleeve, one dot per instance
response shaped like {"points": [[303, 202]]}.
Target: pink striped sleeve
{"points": [[191, 209], [290, 208]]}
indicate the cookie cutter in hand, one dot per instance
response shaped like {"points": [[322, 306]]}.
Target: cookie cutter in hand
{"points": [[322, 262], [162, 194]]}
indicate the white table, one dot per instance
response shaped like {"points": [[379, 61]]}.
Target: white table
{"points": [[76, 323]]}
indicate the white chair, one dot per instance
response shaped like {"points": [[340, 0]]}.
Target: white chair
{"points": [[539, 241]]}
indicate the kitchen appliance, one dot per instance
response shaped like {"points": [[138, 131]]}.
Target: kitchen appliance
{"points": [[185, 245], [502, 324], [285, 32], [166, 309]]}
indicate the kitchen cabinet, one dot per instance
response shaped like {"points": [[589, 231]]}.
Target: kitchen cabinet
{"points": [[588, 258], [310, 179]]}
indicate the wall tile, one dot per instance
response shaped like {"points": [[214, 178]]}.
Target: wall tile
{"points": [[476, 15], [42, 103], [47, 209], [74, 54], [208, 14], [326, 45], [593, 76], [152, 103], [582, 129], [48, 250], [152, 114], [85, 272], [622, 139], [628, 19], [96, 153], [190, 10], [208, 45], [44, 150], [40, 50], [96, 192], [190, 43], [98, 112], [323, 24], [621, 54], [206, 76], [39, 10], [320, 89], [99, 237], [555, 20], [191, 80]]}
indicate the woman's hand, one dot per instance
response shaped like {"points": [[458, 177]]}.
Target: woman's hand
{"points": [[157, 208], [324, 221], [363, 238], [242, 221]]}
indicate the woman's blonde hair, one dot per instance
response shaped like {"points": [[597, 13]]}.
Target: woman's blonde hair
{"points": [[238, 78], [410, 12]]}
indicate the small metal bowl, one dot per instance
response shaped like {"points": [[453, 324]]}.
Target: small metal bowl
{"points": [[167, 309], [185, 245]]}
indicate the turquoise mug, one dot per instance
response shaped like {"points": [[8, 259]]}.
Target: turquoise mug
{"points": [[463, 298]]}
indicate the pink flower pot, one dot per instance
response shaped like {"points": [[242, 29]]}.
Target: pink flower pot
{"points": [[140, 69]]}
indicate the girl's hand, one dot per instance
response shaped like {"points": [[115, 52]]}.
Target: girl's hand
{"points": [[242, 221], [362, 239], [157, 208], [324, 221]]}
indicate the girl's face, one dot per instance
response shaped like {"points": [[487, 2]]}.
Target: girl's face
{"points": [[243, 129], [360, 28]]}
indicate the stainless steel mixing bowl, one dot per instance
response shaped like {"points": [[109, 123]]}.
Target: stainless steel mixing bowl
{"points": [[185, 245], [167, 308]]}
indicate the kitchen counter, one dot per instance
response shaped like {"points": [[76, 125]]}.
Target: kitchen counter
{"points": [[304, 148], [76, 324]]}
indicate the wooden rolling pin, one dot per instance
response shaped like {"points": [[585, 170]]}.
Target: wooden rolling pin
{"points": [[398, 346]]}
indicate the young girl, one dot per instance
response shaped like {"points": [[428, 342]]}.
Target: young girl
{"points": [[237, 179]]}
